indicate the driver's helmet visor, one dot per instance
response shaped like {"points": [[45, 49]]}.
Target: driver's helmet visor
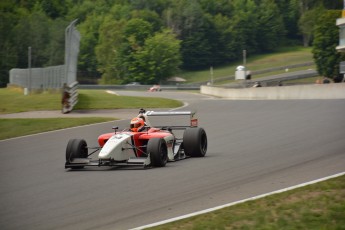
{"points": [[135, 125]]}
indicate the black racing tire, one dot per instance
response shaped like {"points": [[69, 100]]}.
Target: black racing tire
{"points": [[195, 142], [76, 148], [158, 150], [69, 150]]}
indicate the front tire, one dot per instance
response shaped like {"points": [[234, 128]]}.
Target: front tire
{"points": [[157, 148], [195, 142], [76, 148]]}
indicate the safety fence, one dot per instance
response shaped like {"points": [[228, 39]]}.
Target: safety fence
{"points": [[70, 87], [51, 77], [62, 77]]}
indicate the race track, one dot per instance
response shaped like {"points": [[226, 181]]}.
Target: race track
{"points": [[255, 147]]}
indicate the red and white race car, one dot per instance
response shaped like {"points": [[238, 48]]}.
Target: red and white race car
{"points": [[155, 88], [142, 144]]}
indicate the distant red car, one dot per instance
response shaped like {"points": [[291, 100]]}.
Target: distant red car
{"points": [[152, 146], [155, 88]]}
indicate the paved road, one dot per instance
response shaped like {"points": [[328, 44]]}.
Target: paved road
{"points": [[254, 147]]}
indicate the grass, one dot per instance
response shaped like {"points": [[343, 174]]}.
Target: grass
{"points": [[309, 80], [317, 206], [21, 127], [283, 57], [13, 100], [97, 99], [258, 76]]}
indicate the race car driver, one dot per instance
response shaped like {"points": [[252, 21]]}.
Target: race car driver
{"points": [[141, 121], [137, 124]]}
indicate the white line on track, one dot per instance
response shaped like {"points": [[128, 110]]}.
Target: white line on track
{"points": [[237, 202]]}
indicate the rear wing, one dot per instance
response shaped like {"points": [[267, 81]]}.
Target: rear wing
{"points": [[192, 121]]}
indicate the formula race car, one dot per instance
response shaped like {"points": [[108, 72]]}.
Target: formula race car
{"points": [[142, 144], [155, 88]]}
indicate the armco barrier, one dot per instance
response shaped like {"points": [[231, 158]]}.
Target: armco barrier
{"points": [[315, 91], [69, 97]]}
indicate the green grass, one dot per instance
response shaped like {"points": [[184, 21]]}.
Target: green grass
{"points": [[99, 99], [21, 127], [14, 101], [309, 80], [317, 206], [258, 76], [283, 57]]}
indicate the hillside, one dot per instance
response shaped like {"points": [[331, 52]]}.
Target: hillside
{"points": [[282, 58]]}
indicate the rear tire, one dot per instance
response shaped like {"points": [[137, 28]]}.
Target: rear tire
{"points": [[157, 148], [195, 142], [76, 148]]}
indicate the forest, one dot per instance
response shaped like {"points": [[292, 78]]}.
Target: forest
{"points": [[149, 41]]}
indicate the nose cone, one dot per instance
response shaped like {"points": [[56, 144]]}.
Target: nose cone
{"points": [[117, 147]]}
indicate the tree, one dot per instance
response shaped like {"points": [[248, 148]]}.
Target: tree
{"points": [[87, 61], [217, 7], [55, 8], [55, 49], [134, 35], [8, 54], [307, 23], [108, 50], [188, 21], [119, 41], [158, 59], [157, 6], [270, 22], [81, 10], [244, 27], [290, 12], [149, 16], [32, 31], [115, 34], [221, 38], [326, 39], [335, 4], [136, 32]]}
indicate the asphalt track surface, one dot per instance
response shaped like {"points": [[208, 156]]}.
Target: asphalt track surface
{"points": [[255, 147]]}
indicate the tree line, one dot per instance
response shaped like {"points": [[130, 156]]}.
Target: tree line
{"points": [[151, 40]]}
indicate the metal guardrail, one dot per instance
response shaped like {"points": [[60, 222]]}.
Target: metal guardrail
{"points": [[69, 97]]}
